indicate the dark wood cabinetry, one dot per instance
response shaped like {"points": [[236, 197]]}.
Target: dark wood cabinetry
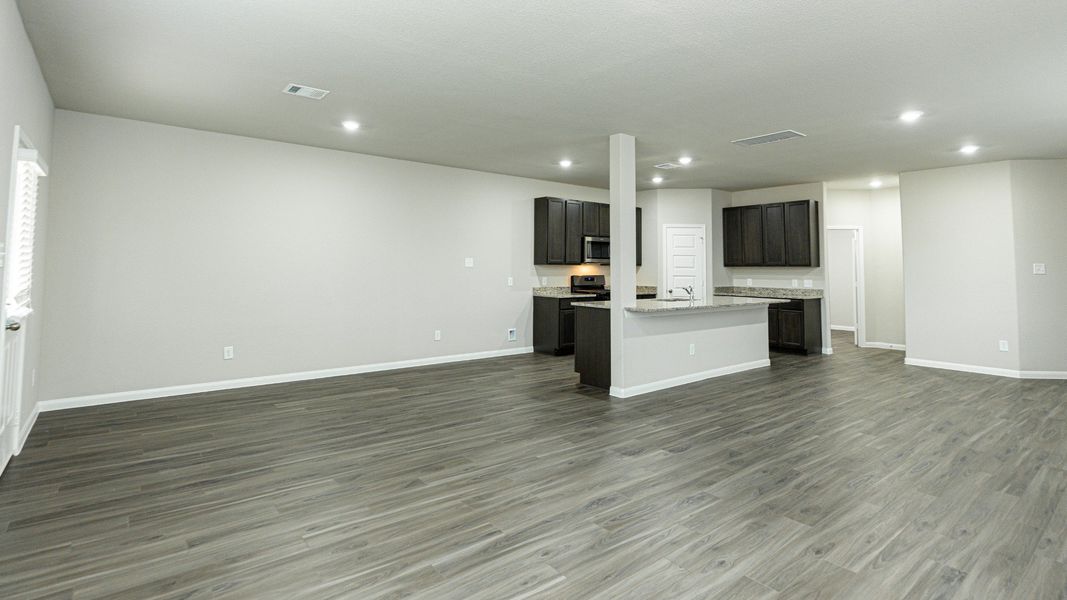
{"points": [[802, 234], [796, 325], [604, 218], [774, 235], [771, 235], [561, 225], [752, 235], [553, 325]]}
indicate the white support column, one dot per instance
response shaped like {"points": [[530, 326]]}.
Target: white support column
{"points": [[623, 193]]}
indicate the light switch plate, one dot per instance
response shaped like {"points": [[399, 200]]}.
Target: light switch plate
{"points": [[468, 262], [437, 335], [807, 283], [795, 283], [1003, 345], [1039, 269], [511, 281]]}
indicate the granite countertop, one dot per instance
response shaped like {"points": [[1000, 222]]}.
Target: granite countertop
{"points": [[715, 303], [563, 291], [768, 292]]}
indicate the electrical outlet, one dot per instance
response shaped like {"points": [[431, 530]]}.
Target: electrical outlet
{"points": [[748, 282], [807, 283], [692, 349], [227, 353], [468, 262], [511, 281], [1003, 345], [795, 283], [1039, 268], [513, 335], [437, 335], [544, 281]]}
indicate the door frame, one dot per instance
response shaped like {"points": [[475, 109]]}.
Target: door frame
{"points": [[859, 301], [665, 246]]}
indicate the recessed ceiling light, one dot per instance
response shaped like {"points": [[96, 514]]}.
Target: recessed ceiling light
{"points": [[911, 116], [685, 160], [876, 183], [565, 163], [350, 125], [657, 179], [969, 149]]}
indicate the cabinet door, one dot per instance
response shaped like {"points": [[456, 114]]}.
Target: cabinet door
{"points": [[605, 220], [639, 239], [752, 235], [774, 234], [566, 327], [772, 325], [791, 328], [590, 218], [557, 232], [573, 233], [798, 226], [732, 250]]}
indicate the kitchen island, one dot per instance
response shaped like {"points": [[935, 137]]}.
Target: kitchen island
{"points": [[672, 342]]}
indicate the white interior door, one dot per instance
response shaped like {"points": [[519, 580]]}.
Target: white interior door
{"points": [[15, 289], [683, 261]]}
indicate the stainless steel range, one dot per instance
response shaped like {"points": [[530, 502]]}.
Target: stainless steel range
{"points": [[594, 285]]}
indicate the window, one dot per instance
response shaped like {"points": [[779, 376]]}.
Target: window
{"points": [[23, 225]]}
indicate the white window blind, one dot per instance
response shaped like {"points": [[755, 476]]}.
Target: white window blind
{"points": [[23, 227]]}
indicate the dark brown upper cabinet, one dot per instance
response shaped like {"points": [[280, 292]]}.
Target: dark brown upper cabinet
{"points": [[732, 250], [774, 235], [783, 234], [560, 226], [574, 246], [604, 211], [802, 233], [752, 235], [590, 218]]}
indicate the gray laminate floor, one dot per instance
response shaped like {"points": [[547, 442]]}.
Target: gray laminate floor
{"points": [[844, 476]]}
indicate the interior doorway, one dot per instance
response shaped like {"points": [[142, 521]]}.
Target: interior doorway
{"points": [[684, 261], [845, 281]]}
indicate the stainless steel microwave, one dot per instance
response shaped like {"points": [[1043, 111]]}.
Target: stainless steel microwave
{"points": [[597, 250]]}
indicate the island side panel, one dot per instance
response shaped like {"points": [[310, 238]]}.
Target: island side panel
{"points": [[657, 346], [592, 346]]}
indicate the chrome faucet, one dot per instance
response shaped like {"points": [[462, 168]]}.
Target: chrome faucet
{"points": [[688, 290]]}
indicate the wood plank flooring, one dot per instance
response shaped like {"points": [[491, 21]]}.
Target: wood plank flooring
{"points": [[844, 476]]}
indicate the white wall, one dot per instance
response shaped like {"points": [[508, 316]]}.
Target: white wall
{"points": [[171, 243], [673, 207], [840, 282], [26, 103], [1039, 206], [878, 213], [959, 265]]}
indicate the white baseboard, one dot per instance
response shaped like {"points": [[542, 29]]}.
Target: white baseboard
{"points": [[230, 384], [663, 384], [999, 372], [842, 328], [1042, 374], [883, 345], [24, 431], [827, 350]]}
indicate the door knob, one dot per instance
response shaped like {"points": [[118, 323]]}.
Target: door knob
{"points": [[13, 326]]}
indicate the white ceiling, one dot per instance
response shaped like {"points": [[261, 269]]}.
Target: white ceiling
{"points": [[512, 86]]}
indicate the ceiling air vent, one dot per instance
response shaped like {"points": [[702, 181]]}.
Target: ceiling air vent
{"points": [[305, 91], [668, 165], [767, 138]]}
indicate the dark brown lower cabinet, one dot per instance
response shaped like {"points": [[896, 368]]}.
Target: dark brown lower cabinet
{"points": [[796, 325], [553, 322]]}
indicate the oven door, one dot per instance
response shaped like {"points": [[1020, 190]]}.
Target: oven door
{"points": [[597, 250]]}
